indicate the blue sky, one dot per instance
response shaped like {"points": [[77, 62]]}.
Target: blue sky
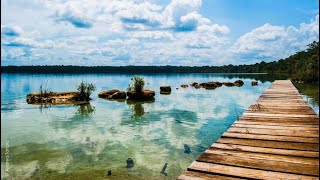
{"points": [[154, 32]]}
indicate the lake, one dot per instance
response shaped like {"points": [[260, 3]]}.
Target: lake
{"points": [[88, 141]]}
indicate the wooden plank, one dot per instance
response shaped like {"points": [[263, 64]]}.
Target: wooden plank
{"points": [[262, 126], [271, 137], [293, 119], [271, 144], [244, 172], [192, 175], [278, 123], [276, 112], [275, 108], [263, 164], [278, 115], [276, 138], [276, 132], [287, 152], [263, 156]]}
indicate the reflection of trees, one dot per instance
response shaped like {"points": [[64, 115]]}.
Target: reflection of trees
{"points": [[44, 106], [81, 116], [311, 91], [85, 109], [137, 107]]}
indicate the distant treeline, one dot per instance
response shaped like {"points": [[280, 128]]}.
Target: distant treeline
{"points": [[303, 65]]}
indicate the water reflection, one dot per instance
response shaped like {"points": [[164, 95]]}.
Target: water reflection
{"points": [[137, 108], [311, 92], [85, 109], [82, 115], [162, 137]]}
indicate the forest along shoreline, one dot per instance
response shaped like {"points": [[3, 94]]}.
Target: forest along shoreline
{"points": [[302, 66]]}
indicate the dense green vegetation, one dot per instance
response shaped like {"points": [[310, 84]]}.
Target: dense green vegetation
{"points": [[137, 84], [85, 90], [303, 65]]}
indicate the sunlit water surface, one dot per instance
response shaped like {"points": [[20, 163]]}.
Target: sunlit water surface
{"points": [[85, 142]]}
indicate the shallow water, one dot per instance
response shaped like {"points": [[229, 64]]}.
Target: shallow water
{"points": [[82, 142]]}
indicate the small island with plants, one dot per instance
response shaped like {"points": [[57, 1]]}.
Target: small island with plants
{"points": [[135, 92], [45, 96]]}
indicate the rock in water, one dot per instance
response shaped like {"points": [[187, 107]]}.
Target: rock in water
{"points": [[130, 163], [119, 95], [107, 93], [194, 84], [187, 149], [165, 88], [254, 83], [141, 96], [239, 83]]}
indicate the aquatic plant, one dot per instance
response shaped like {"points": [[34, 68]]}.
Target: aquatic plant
{"points": [[44, 91], [137, 84], [85, 90]]}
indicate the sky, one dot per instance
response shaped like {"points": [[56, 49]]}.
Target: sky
{"points": [[155, 32]]}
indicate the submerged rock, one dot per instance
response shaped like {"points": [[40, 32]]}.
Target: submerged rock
{"points": [[239, 83], [187, 149], [165, 90], [209, 85], [194, 84], [108, 93], [198, 86], [113, 94], [140, 96], [228, 84], [130, 163], [57, 98], [254, 83], [119, 95]]}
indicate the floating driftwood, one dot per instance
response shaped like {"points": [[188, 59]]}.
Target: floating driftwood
{"points": [[56, 98]]}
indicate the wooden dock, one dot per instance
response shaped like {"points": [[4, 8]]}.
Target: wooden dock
{"points": [[276, 138]]}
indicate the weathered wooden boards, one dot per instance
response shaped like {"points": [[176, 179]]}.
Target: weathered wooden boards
{"points": [[276, 138]]}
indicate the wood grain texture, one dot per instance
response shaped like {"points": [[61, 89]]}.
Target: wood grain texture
{"points": [[275, 138]]}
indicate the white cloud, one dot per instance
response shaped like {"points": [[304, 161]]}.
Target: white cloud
{"points": [[270, 42], [152, 35], [11, 30], [139, 32]]}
